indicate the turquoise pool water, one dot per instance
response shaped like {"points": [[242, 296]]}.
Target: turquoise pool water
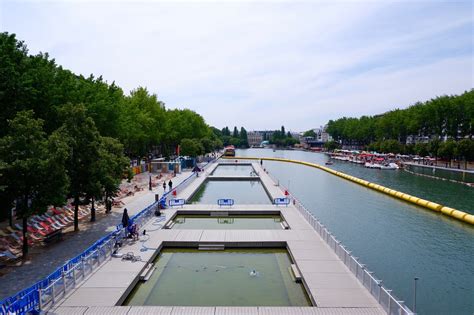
{"points": [[231, 222], [233, 277], [243, 192]]}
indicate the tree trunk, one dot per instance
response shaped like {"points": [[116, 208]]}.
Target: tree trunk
{"points": [[93, 210], [106, 198], [76, 213], [10, 217], [25, 238]]}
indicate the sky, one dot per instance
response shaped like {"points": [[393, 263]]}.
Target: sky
{"points": [[260, 64]]}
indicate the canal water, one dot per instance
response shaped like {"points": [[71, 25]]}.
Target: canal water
{"points": [[242, 191], [231, 222], [396, 240], [232, 277]]}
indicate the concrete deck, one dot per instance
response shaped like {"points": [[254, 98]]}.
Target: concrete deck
{"points": [[332, 288]]}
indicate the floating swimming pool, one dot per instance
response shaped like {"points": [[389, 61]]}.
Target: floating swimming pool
{"points": [[243, 192], [233, 170], [232, 277], [231, 222]]}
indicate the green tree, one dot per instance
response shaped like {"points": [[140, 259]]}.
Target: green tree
{"points": [[113, 165], [243, 138], [191, 147], [34, 167], [331, 145], [421, 149], [465, 149], [309, 133], [235, 134], [83, 140], [447, 150]]}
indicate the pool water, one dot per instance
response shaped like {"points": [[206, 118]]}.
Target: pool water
{"points": [[234, 277], [243, 192], [233, 170], [231, 222]]}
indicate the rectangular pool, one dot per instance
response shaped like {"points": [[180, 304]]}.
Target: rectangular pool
{"points": [[233, 170], [231, 222], [242, 191], [232, 277]]}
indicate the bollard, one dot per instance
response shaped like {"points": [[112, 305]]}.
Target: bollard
{"points": [[157, 197]]}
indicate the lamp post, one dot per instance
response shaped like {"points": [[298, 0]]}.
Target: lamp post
{"points": [[414, 294]]}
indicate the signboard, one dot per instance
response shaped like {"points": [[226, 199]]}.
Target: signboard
{"points": [[281, 201], [176, 202], [225, 202]]}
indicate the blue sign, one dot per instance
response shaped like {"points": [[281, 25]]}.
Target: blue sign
{"points": [[176, 202], [281, 201], [225, 202]]}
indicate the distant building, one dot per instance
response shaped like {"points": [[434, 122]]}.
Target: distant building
{"points": [[254, 138], [412, 139]]}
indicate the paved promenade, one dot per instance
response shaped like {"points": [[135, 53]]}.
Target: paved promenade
{"points": [[53, 256], [332, 288]]}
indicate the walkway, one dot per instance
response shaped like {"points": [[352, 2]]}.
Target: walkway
{"points": [[53, 256], [332, 288]]}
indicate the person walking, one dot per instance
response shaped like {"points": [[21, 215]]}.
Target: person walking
{"points": [[125, 218], [164, 185], [170, 184]]}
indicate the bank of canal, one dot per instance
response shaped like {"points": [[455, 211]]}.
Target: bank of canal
{"points": [[397, 240]]}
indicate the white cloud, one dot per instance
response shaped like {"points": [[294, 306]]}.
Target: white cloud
{"points": [[260, 64]]}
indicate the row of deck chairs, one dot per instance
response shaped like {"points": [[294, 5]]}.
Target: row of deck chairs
{"points": [[39, 226]]}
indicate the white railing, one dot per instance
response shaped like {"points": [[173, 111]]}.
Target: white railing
{"points": [[385, 298], [58, 288]]}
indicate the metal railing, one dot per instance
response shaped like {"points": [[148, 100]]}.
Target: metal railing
{"points": [[183, 185], [389, 302], [55, 286]]}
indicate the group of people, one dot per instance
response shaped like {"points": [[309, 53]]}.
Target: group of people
{"points": [[170, 185]]}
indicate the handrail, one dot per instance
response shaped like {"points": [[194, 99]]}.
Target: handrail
{"points": [[384, 296], [45, 291]]}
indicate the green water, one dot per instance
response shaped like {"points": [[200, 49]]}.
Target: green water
{"points": [[233, 170], [396, 240], [188, 277], [243, 192], [233, 222], [442, 173]]}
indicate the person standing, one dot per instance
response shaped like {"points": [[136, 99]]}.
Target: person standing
{"points": [[164, 185], [170, 184], [125, 218]]}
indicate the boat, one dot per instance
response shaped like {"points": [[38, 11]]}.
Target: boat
{"points": [[329, 163], [372, 165], [389, 166], [229, 150]]}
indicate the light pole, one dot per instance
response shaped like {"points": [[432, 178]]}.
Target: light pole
{"points": [[414, 294]]}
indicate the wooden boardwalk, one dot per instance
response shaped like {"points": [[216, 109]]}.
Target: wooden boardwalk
{"points": [[332, 288]]}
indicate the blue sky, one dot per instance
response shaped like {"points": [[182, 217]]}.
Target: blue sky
{"points": [[260, 64]]}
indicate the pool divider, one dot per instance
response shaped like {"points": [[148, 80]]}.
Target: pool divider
{"points": [[451, 212]]}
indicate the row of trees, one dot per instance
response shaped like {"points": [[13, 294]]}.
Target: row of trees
{"points": [[235, 138], [140, 121], [281, 138], [67, 136], [442, 117], [39, 169]]}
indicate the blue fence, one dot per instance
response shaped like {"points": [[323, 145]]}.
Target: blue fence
{"points": [[29, 300]]}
